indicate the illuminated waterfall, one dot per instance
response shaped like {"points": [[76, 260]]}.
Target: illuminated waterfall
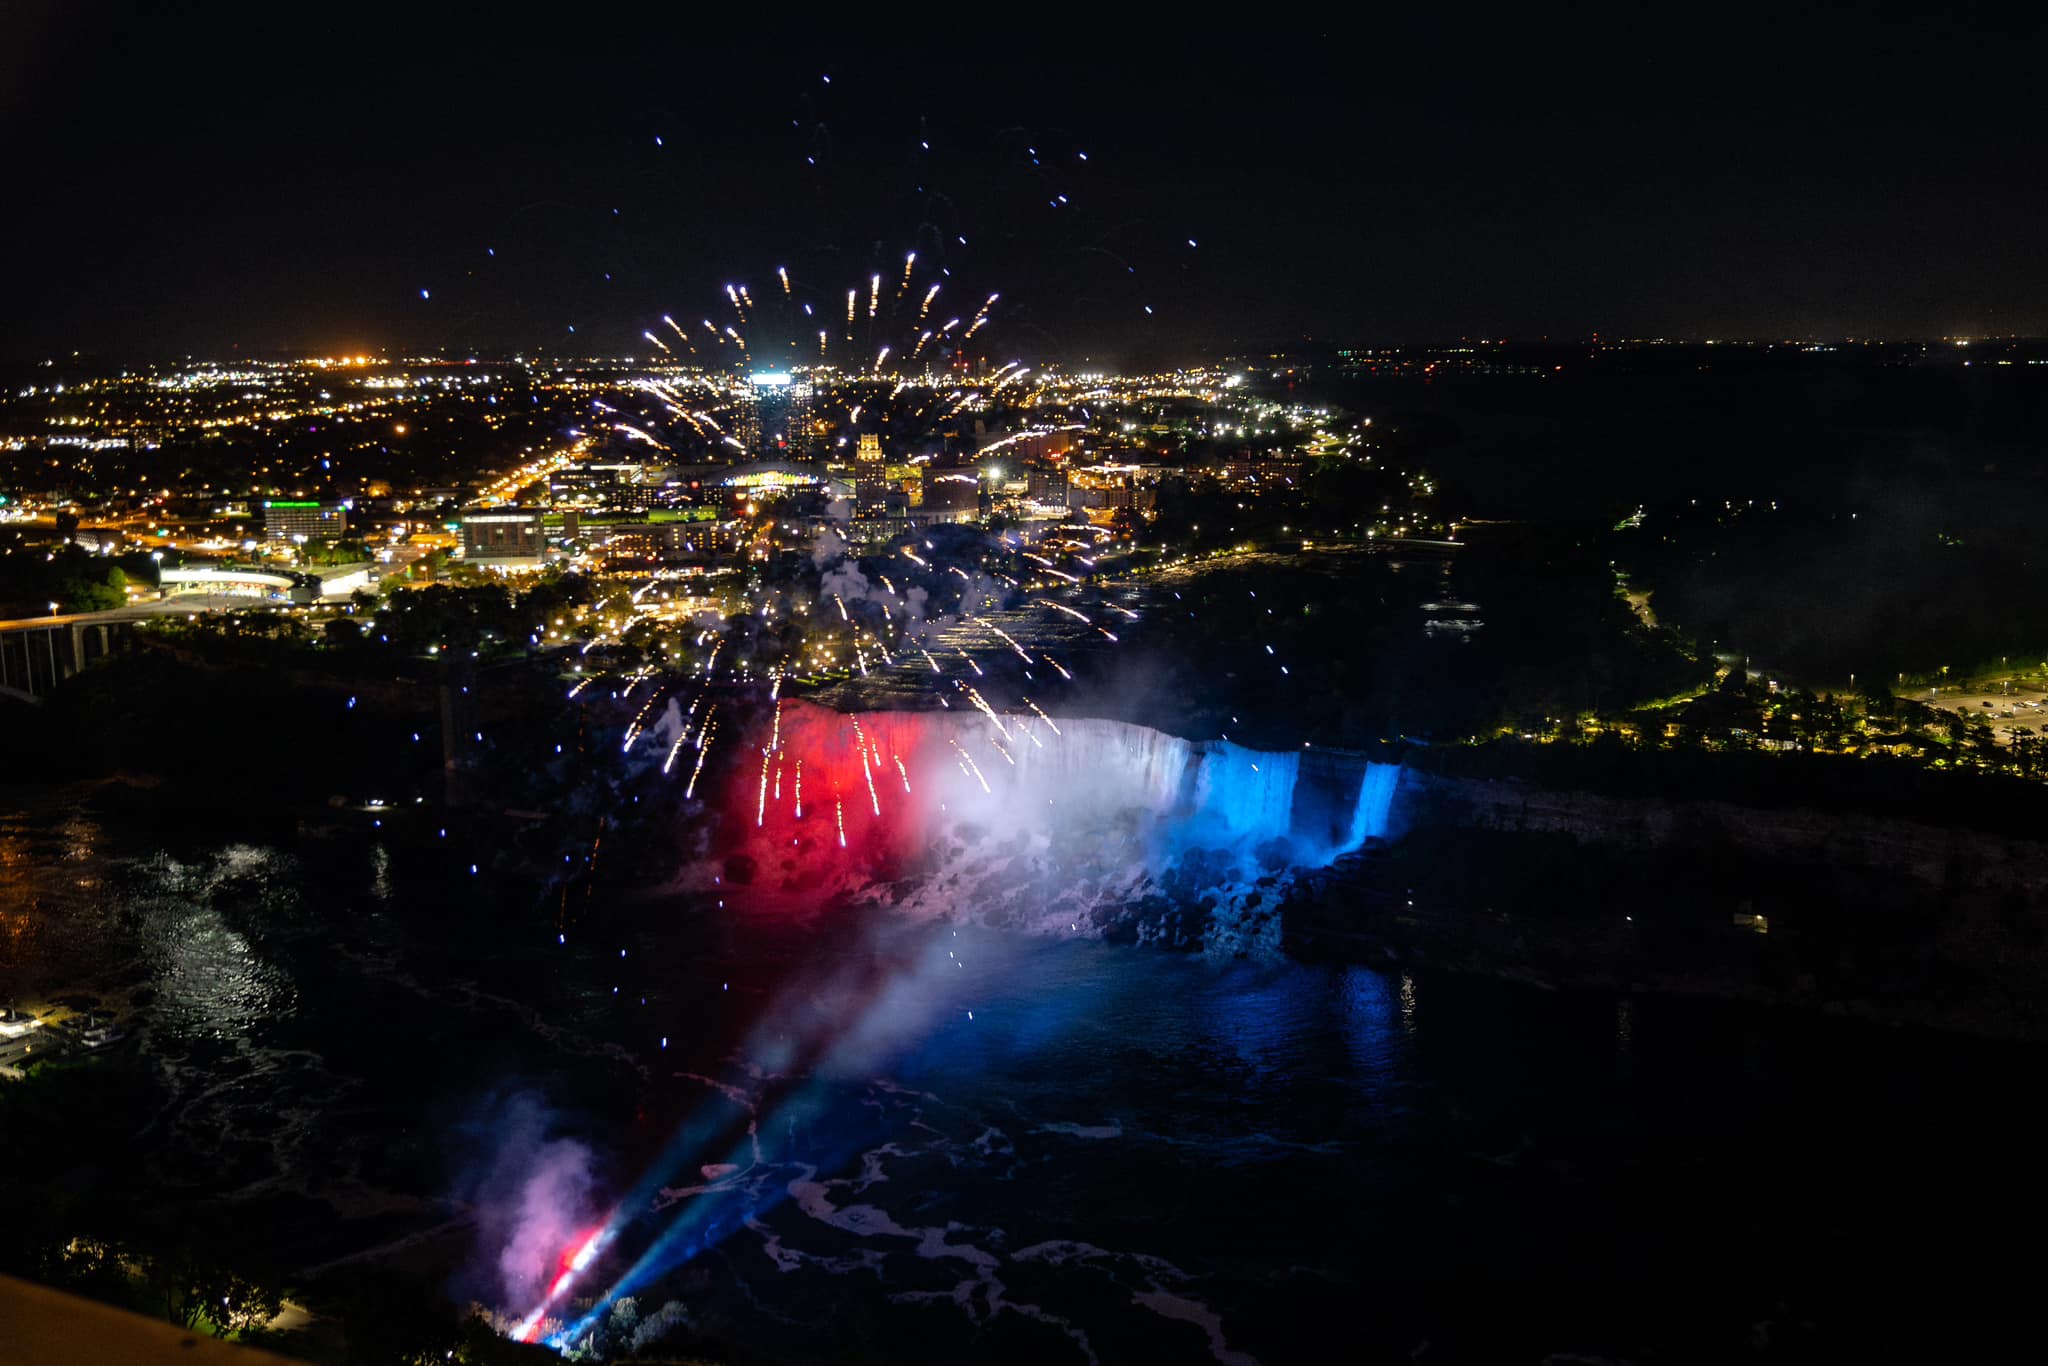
{"points": [[1250, 794], [1375, 803]]}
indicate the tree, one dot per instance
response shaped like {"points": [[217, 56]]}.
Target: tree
{"points": [[342, 632]]}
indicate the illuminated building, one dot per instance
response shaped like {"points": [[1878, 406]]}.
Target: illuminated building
{"points": [[870, 477], [595, 485], [775, 414], [304, 520], [504, 540], [1047, 486]]}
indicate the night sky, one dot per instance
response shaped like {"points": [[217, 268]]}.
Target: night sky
{"points": [[293, 178]]}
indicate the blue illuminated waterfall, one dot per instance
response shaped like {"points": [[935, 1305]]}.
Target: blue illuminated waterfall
{"points": [[1248, 793], [1375, 803]]}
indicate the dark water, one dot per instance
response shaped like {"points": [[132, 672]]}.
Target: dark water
{"points": [[1122, 1154]]}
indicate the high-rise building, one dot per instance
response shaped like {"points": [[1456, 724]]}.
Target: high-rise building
{"points": [[775, 414], [870, 477], [304, 520]]}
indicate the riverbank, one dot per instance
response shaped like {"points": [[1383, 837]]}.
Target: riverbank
{"points": [[1846, 913]]}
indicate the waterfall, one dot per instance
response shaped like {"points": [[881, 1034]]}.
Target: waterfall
{"points": [[1375, 800], [1099, 767], [1251, 794]]}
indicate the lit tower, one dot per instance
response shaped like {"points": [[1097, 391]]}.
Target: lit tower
{"points": [[870, 483]]}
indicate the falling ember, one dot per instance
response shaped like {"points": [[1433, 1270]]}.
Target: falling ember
{"points": [[925, 307], [839, 815], [1041, 715], [799, 780], [973, 767], [703, 748], [851, 295], [902, 772], [874, 294], [985, 709], [761, 804], [782, 273], [1062, 607], [1006, 638]]}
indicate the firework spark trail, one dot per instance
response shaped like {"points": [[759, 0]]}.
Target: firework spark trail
{"points": [[798, 778], [970, 660], [839, 816], [981, 317], [982, 705], [639, 726], [703, 749], [902, 772], [1057, 665], [782, 273], [1006, 637], [1062, 607], [926, 306], [1041, 715], [973, 767], [874, 294], [761, 803], [929, 660]]}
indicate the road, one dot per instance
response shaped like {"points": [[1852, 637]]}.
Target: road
{"points": [[178, 604]]}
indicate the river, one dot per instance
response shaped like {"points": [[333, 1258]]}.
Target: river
{"points": [[862, 1137]]}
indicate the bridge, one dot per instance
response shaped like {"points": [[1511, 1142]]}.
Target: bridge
{"points": [[38, 653]]}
